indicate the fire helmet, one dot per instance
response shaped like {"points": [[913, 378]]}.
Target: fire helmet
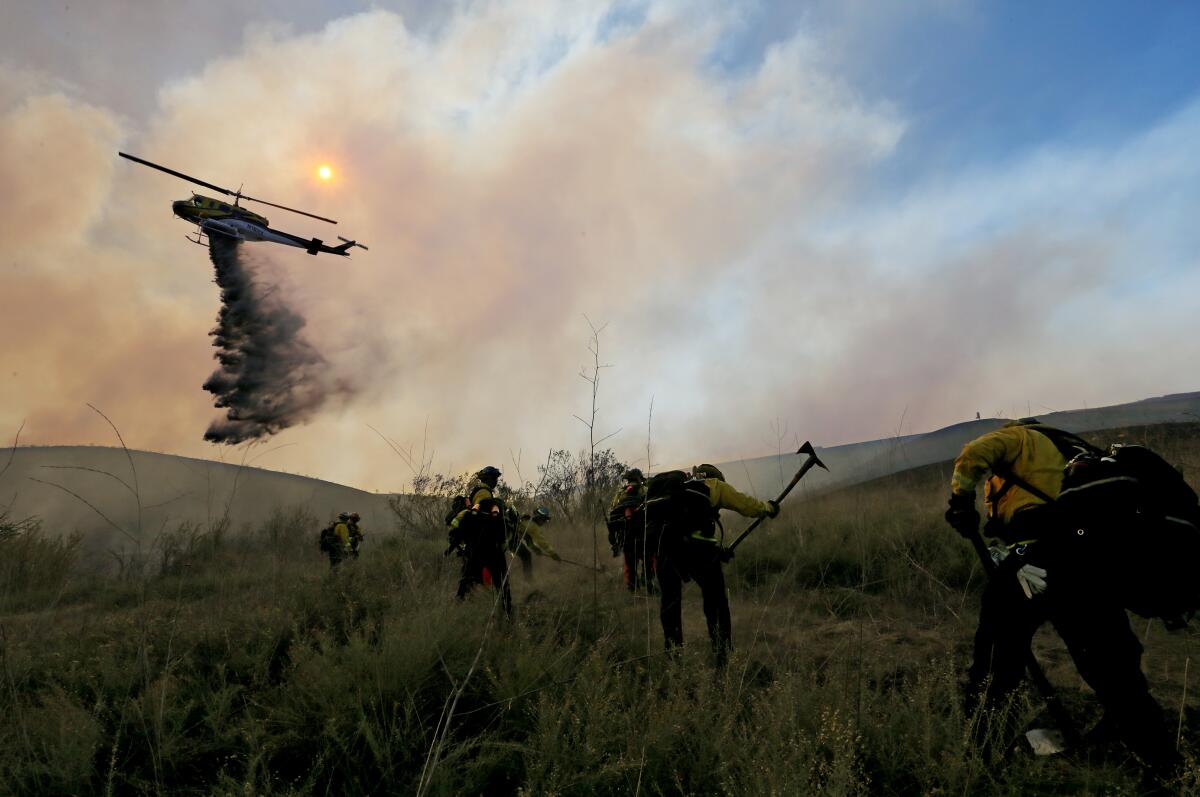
{"points": [[707, 471]]}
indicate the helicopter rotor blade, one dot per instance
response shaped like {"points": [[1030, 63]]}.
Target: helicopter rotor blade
{"points": [[284, 207], [189, 178], [237, 194]]}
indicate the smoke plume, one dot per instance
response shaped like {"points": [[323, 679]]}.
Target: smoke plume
{"points": [[763, 236], [269, 377]]}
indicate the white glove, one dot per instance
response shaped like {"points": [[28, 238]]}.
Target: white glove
{"points": [[1032, 580]]}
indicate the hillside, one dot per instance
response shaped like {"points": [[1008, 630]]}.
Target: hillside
{"points": [[107, 488], [96, 491], [857, 462]]}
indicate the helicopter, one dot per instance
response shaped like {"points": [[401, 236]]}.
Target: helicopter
{"points": [[231, 220]]}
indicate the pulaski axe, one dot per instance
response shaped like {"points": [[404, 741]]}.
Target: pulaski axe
{"points": [[813, 459]]}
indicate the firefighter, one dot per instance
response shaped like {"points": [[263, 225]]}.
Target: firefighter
{"points": [[526, 538], [628, 533], [689, 549], [354, 533], [339, 545], [1043, 577], [479, 531]]}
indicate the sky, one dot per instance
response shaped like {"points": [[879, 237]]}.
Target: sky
{"points": [[834, 221]]}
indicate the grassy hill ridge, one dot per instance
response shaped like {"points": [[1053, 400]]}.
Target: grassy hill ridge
{"points": [[96, 491]]}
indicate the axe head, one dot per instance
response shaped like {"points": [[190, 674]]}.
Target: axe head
{"points": [[807, 448]]}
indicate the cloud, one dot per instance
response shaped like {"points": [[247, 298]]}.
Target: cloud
{"points": [[513, 172], [1053, 280], [56, 169]]}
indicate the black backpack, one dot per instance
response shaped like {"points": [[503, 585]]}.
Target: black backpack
{"points": [[1164, 493], [677, 506], [485, 528], [457, 504], [1140, 521], [327, 540]]}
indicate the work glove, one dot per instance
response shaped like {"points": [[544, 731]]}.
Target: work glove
{"points": [[1032, 580], [772, 509], [962, 515], [725, 554]]}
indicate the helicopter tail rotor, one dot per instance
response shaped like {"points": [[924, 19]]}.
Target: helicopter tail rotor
{"points": [[347, 244]]}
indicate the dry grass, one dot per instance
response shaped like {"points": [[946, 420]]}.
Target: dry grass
{"points": [[243, 666]]}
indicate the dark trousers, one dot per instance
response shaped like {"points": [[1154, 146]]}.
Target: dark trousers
{"points": [[698, 561], [486, 566], [526, 557], [1094, 626], [634, 549]]}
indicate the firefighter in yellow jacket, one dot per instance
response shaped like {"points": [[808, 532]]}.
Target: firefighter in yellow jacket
{"points": [[526, 538], [339, 548], [628, 533], [689, 549], [354, 533], [1043, 575], [479, 531]]}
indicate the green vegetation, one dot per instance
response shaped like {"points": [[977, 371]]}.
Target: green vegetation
{"points": [[226, 663]]}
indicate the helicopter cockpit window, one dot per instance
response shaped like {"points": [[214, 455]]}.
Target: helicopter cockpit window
{"points": [[225, 207]]}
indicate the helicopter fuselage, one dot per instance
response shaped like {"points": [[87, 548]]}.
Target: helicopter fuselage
{"points": [[214, 217], [200, 208], [246, 230]]}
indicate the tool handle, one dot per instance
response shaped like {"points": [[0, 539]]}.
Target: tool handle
{"points": [[805, 468], [566, 561]]}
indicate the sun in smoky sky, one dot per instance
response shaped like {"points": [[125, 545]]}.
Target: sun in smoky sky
{"points": [[325, 172]]}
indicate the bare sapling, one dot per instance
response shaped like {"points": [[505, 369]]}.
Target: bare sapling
{"points": [[590, 472]]}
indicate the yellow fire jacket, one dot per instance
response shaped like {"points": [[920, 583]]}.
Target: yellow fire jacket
{"points": [[1013, 448], [478, 491], [529, 534], [342, 530], [723, 496]]}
